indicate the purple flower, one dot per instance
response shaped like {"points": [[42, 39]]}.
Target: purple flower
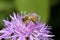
{"points": [[16, 29]]}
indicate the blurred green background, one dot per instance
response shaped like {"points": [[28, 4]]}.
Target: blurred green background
{"points": [[41, 7], [49, 10]]}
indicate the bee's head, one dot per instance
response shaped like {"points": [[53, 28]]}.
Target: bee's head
{"points": [[25, 18]]}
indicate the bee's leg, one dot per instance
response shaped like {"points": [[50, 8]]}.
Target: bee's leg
{"points": [[27, 22]]}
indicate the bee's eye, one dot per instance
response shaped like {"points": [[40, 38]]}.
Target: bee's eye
{"points": [[26, 17]]}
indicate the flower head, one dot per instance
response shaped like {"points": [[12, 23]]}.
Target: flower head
{"points": [[27, 27]]}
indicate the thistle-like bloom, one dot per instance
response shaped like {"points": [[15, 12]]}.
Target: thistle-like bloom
{"points": [[17, 29]]}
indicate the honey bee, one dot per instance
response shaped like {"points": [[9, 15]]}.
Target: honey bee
{"points": [[29, 18]]}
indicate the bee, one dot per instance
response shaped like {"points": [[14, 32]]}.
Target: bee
{"points": [[29, 18]]}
